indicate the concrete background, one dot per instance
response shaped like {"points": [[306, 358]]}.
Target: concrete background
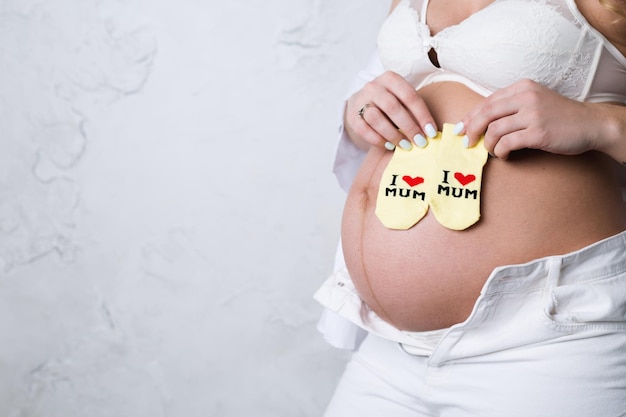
{"points": [[167, 207]]}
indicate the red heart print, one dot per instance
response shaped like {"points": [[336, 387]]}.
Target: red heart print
{"points": [[464, 179], [413, 181]]}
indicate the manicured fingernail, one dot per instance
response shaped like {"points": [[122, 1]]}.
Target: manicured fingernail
{"points": [[405, 144], [420, 140], [430, 130], [458, 128], [390, 146], [465, 141]]}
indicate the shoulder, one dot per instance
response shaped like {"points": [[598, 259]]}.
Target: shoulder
{"points": [[608, 17], [394, 3]]}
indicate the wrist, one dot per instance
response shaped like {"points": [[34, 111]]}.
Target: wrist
{"points": [[611, 132]]}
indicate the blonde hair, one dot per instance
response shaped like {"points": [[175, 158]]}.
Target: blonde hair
{"points": [[616, 6]]}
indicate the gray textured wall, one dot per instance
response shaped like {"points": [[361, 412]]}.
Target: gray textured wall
{"points": [[167, 206]]}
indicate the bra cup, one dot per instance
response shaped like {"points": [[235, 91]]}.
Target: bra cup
{"points": [[511, 49], [402, 43], [507, 41]]}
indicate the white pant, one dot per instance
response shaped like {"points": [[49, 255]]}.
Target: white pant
{"points": [[547, 338]]}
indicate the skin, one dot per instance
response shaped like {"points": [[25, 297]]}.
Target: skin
{"points": [[560, 172]]}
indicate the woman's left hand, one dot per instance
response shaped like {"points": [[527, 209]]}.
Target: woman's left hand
{"points": [[529, 115]]}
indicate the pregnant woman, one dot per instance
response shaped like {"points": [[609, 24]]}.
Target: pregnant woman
{"points": [[501, 289]]}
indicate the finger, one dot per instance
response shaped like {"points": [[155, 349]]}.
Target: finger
{"points": [[420, 113], [501, 127], [510, 142], [497, 105], [393, 121], [418, 119], [368, 120], [511, 133], [380, 123], [406, 108], [365, 131], [493, 118]]}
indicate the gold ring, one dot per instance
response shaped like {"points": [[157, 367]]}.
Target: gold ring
{"points": [[362, 110]]}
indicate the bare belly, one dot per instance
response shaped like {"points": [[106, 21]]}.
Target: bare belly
{"points": [[533, 205]]}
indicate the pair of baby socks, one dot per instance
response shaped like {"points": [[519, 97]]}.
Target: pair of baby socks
{"points": [[445, 176]]}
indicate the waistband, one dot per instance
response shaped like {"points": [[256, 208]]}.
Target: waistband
{"points": [[602, 259], [575, 267]]}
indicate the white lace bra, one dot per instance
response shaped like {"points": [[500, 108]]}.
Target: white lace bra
{"points": [[548, 41]]}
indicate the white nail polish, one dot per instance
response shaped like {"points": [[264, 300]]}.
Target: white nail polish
{"points": [[458, 128], [390, 146], [405, 144], [465, 141], [430, 131], [420, 140]]}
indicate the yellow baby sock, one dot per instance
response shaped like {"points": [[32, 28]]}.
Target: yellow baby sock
{"points": [[402, 197], [455, 191]]}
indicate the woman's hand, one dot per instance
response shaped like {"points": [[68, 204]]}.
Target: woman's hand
{"points": [[528, 115], [388, 112]]}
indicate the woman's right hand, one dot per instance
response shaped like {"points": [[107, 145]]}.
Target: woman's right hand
{"points": [[388, 112]]}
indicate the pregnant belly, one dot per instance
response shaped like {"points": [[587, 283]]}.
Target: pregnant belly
{"points": [[533, 205]]}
